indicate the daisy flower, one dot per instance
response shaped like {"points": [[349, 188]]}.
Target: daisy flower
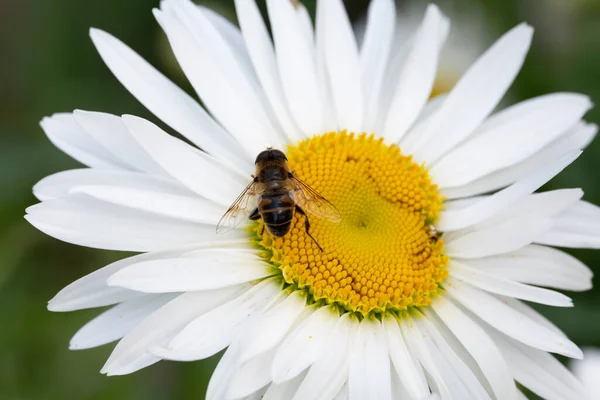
{"points": [[420, 289]]}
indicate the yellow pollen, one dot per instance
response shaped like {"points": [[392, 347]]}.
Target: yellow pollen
{"points": [[382, 256]]}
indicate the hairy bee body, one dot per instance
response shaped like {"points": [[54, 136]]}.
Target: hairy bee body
{"points": [[274, 184], [280, 195]]}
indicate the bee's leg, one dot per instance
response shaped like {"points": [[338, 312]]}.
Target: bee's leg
{"points": [[254, 216], [307, 226]]}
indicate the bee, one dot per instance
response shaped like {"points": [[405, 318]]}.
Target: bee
{"points": [[275, 195]]}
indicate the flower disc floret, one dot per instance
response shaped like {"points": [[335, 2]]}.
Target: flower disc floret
{"points": [[383, 255]]}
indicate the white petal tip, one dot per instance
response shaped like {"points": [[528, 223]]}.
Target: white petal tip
{"points": [[112, 373], [130, 118], [433, 8], [31, 219], [111, 369], [525, 27], [44, 122], [53, 306], [95, 33], [78, 346], [278, 380], [57, 304], [82, 113], [578, 355], [113, 281], [158, 15]]}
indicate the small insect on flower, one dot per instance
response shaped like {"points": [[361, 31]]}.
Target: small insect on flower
{"points": [[275, 195]]}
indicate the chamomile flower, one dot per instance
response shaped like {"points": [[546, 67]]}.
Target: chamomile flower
{"points": [[419, 290]]}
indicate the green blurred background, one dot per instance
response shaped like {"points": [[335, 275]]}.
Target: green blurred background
{"points": [[49, 65]]}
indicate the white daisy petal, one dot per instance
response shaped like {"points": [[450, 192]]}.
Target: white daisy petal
{"points": [[202, 270], [110, 132], [416, 79], [284, 390], [501, 238], [207, 80], [271, 327], [369, 373], [230, 92], [61, 183], [296, 62], [185, 208], [504, 199], [529, 312], [480, 346], [210, 333], [327, 375], [251, 376], [262, 53], [539, 371], [537, 265], [575, 139], [447, 355], [521, 396], [391, 76], [509, 321], [64, 132], [343, 66], [578, 226], [510, 137], [412, 137], [399, 390], [507, 287], [375, 54], [305, 21], [475, 95], [230, 33], [546, 204], [432, 107], [258, 395], [586, 370], [321, 29], [115, 323], [310, 336], [409, 371], [85, 221], [343, 393], [92, 291], [132, 354], [164, 99], [226, 46], [196, 170], [217, 386], [446, 384]]}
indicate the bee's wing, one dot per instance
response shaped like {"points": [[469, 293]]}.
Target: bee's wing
{"points": [[312, 202], [239, 210]]}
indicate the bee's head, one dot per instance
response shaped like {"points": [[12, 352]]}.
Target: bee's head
{"points": [[270, 155]]}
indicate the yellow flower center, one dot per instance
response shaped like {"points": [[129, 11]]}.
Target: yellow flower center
{"points": [[384, 255]]}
